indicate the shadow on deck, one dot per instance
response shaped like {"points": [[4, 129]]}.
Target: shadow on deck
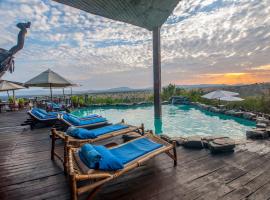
{"points": [[26, 171]]}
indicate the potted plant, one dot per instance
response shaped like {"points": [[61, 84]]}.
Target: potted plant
{"points": [[21, 103]]}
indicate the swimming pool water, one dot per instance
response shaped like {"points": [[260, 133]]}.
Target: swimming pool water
{"points": [[182, 120]]}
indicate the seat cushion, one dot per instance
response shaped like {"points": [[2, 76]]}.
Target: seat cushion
{"points": [[80, 133], [92, 121], [134, 149]]}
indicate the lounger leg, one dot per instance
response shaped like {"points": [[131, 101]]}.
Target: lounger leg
{"points": [[53, 144], [73, 187], [32, 125], [174, 154], [65, 155]]}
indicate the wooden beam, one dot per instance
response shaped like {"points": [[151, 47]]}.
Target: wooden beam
{"points": [[157, 71]]}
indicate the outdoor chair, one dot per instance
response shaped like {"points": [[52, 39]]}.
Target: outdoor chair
{"points": [[101, 134], [78, 171], [38, 117], [66, 120]]}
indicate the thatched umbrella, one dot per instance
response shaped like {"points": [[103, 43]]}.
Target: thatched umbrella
{"points": [[48, 79], [9, 85]]}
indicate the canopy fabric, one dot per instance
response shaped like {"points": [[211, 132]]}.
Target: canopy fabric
{"points": [[231, 98], [218, 94], [48, 78], [7, 85], [147, 14]]}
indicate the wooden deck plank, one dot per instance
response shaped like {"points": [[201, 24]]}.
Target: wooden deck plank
{"points": [[26, 171]]}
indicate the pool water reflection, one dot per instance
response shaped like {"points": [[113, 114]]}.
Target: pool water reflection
{"points": [[181, 120]]}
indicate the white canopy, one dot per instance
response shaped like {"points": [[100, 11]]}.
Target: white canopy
{"points": [[7, 85], [231, 98], [218, 94]]}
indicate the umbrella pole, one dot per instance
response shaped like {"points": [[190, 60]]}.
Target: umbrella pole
{"points": [[51, 91], [64, 95], [71, 97], [7, 94], [13, 93]]}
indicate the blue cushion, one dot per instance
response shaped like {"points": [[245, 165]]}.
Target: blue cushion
{"points": [[41, 115], [108, 161], [80, 133], [134, 149], [42, 111], [107, 129], [38, 114], [92, 121], [73, 120], [90, 156], [84, 118]]}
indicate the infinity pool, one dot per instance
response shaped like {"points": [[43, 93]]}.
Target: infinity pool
{"points": [[180, 120]]}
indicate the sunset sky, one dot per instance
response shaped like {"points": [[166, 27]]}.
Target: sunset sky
{"points": [[203, 41]]}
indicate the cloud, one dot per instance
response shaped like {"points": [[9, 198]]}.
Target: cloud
{"points": [[201, 37]]}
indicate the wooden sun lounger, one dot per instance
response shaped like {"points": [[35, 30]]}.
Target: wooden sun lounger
{"points": [[63, 124], [98, 178], [71, 141], [34, 120]]}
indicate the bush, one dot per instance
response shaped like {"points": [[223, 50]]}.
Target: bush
{"points": [[10, 100], [257, 104]]}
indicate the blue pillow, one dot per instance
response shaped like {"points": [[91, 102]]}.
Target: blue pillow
{"points": [[80, 133], [90, 156], [38, 114], [108, 161], [72, 120]]}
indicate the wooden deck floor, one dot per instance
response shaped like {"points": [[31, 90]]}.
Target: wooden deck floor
{"points": [[26, 171]]}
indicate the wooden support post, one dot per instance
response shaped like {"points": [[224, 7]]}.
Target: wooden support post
{"points": [[65, 164], [174, 153], [157, 71]]}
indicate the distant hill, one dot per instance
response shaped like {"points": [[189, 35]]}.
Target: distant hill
{"points": [[120, 89], [244, 90], [202, 86], [256, 89]]}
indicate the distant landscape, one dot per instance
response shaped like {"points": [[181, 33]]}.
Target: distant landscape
{"points": [[249, 90]]}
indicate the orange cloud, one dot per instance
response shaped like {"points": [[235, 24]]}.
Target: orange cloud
{"points": [[228, 78], [257, 74], [231, 78]]}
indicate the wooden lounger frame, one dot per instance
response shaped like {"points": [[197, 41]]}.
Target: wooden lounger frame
{"points": [[71, 141], [98, 178]]}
